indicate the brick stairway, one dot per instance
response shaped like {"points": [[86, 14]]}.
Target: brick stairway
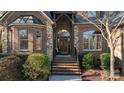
{"points": [[65, 66]]}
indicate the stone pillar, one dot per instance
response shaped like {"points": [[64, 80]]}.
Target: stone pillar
{"points": [[4, 39], [76, 39], [50, 41], [122, 72]]}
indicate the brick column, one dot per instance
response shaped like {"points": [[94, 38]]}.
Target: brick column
{"points": [[4, 39], [50, 41]]}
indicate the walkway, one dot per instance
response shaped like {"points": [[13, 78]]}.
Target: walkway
{"points": [[65, 78]]}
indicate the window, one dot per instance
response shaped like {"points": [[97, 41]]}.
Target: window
{"points": [[38, 40], [28, 20], [91, 14], [23, 39], [92, 40]]}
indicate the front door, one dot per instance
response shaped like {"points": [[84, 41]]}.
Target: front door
{"points": [[64, 45], [63, 42]]}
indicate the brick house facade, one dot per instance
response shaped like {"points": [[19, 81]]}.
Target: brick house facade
{"points": [[54, 33]]}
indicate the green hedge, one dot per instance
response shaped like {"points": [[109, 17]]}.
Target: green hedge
{"points": [[23, 57], [87, 61], [10, 69], [105, 61], [37, 67], [4, 55]]}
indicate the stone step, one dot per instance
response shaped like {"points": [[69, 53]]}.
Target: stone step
{"points": [[66, 73], [65, 64], [60, 66], [65, 69], [65, 61], [68, 59]]}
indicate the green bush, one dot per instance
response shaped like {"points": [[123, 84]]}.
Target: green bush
{"points": [[9, 68], [87, 61], [37, 67], [4, 55], [105, 61], [23, 57]]}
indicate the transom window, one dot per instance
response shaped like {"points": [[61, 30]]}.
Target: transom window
{"points": [[28, 20], [91, 14], [92, 40], [63, 33], [23, 39]]}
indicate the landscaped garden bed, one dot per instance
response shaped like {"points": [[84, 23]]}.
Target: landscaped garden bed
{"points": [[101, 73], [18, 67], [98, 75]]}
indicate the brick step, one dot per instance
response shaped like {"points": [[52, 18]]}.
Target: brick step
{"points": [[60, 66], [66, 73], [65, 61], [68, 59], [65, 64], [64, 69]]}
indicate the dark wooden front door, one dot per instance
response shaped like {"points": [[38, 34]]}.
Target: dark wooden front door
{"points": [[64, 45]]}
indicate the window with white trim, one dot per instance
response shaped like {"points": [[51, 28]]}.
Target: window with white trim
{"points": [[91, 14], [23, 39], [92, 41]]}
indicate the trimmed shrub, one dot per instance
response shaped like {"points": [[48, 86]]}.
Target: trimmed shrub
{"points": [[9, 68], [87, 61], [105, 61], [37, 67], [23, 57], [4, 55]]}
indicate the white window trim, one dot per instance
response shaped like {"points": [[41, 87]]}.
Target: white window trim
{"points": [[95, 44], [24, 50]]}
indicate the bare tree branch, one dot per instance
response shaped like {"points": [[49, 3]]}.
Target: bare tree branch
{"points": [[107, 28], [96, 25], [117, 25], [101, 22]]}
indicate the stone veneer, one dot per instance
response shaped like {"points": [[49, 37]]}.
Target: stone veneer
{"points": [[4, 39], [49, 41], [76, 39]]}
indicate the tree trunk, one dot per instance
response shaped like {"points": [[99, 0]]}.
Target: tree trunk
{"points": [[112, 60]]}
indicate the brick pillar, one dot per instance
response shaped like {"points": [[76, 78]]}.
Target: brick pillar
{"points": [[50, 41], [4, 39]]}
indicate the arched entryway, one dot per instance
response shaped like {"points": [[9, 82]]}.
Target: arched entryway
{"points": [[63, 36]]}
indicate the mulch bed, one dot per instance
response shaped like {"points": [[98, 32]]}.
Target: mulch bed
{"points": [[98, 75]]}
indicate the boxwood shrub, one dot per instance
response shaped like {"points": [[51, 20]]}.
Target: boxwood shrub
{"points": [[37, 67], [4, 55], [23, 57], [105, 61], [9, 69], [87, 61]]}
